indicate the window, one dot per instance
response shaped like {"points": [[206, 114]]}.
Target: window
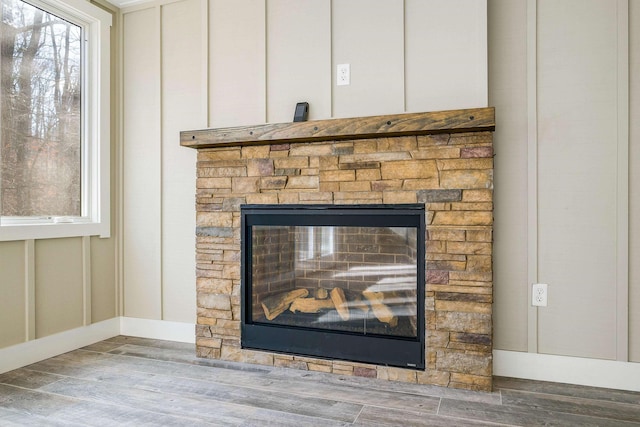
{"points": [[316, 242], [54, 119]]}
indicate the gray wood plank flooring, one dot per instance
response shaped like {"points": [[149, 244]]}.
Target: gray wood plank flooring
{"points": [[127, 381]]}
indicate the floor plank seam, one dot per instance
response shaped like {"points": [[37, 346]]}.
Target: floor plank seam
{"points": [[96, 351], [485, 422], [359, 413]]}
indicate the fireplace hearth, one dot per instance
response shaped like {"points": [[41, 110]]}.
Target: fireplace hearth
{"points": [[335, 281]]}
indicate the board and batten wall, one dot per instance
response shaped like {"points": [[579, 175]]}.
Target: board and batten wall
{"points": [[564, 79], [56, 285], [195, 64], [560, 74]]}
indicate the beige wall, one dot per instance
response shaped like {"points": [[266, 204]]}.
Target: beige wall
{"points": [[557, 79], [12, 284], [58, 286], [577, 176], [195, 64], [165, 90], [634, 179], [54, 285], [299, 59], [446, 54], [508, 94], [141, 166], [50, 286]]}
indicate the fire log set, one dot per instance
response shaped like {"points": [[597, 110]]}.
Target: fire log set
{"points": [[347, 303]]}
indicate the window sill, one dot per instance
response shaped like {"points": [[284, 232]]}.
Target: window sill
{"points": [[53, 230]]}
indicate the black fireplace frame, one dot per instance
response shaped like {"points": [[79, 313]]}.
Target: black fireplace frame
{"points": [[330, 344]]}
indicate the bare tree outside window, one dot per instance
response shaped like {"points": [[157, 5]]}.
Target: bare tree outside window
{"points": [[40, 113]]}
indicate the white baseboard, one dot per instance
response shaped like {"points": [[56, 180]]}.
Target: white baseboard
{"points": [[570, 370], [158, 329], [29, 352]]}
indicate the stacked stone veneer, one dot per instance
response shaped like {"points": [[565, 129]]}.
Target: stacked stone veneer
{"points": [[451, 173]]}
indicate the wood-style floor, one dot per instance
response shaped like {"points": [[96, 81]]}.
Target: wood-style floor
{"points": [[140, 382]]}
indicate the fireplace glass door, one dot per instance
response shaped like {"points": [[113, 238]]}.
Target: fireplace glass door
{"points": [[353, 279], [333, 278]]}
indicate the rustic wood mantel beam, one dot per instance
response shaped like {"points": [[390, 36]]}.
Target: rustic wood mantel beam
{"points": [[469, 120]]}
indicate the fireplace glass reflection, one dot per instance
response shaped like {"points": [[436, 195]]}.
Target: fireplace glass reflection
{"points": [[354, 279]]}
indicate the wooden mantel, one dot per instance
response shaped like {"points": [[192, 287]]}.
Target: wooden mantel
{"points": [[453, 121]]}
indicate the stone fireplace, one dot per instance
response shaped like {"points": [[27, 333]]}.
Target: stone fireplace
{"points": [[440, 161]]}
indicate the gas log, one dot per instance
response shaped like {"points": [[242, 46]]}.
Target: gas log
{"points": [[321, 293], [382, 311], [340, 301], [275, 305], [310, 305]]}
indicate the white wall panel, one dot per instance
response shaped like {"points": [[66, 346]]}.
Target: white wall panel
{"points": [[183, 97], [634, 181], [103, 279], [142, 163], [507, 25], [369, 35], [298, 58], [577, 141], [446, 57], [12, 291], [237, 63], [58, 285]]}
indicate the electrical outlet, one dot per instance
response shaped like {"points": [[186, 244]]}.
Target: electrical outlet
{"points": [[539, 294], [343, 74]]}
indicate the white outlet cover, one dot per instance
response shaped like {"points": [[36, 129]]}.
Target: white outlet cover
{"points": [[539, 293], [343, 74]]}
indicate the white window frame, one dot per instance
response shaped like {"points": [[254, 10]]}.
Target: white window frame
{"points": [[96, 24]]}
